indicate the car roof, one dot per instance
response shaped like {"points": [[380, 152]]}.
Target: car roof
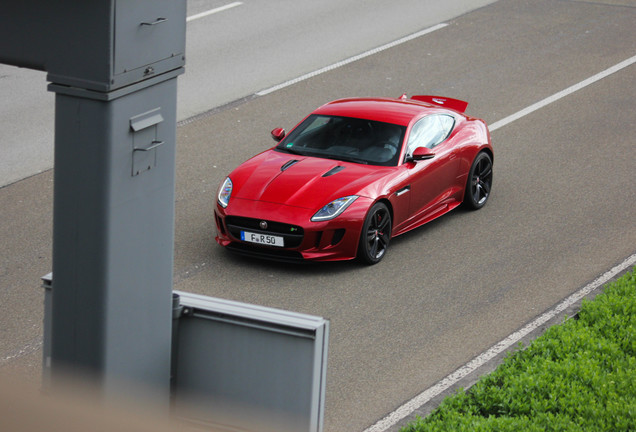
{"points": [[389, 110]]}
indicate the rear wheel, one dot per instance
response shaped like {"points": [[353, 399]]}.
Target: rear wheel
{"points": [[479, 182], [376, 234]]}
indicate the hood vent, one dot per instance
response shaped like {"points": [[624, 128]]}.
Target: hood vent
{"points": [[288, 164], [333, 171]]}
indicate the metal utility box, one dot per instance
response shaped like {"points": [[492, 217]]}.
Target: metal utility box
{"points": [[100, 46], [156, 29], [249, 368]]}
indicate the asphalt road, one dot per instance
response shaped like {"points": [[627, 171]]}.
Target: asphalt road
{"points": [[561, 213]]}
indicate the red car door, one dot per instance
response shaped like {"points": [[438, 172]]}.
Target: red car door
{"points": [[432, 180]]}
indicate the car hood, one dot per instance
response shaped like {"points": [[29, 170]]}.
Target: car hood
{"points": [[302, 181]]}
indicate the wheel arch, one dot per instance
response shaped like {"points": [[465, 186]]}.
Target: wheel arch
{"points": [[489, 152], [468, 198], [388, 204], [372, 254]]}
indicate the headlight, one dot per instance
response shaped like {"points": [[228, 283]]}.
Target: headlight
{"points": [[225, 192], [333, 209]]}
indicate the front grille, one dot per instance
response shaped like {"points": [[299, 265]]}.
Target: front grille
{"points": [[274, 254], [292, 234]]}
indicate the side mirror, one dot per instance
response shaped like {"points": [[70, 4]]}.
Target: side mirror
{"points": [[422, 153], [278, 134]]}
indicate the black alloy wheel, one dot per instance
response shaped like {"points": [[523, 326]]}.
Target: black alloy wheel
{"points": [[479, 182], [376, 234]]}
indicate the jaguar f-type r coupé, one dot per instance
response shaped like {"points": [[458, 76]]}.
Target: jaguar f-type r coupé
{"points": [[352, 175]]}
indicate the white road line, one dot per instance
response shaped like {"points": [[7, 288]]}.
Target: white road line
{"points": [[213, 11], [409, 407], [524, 112], [351, 59], [25, 350]]}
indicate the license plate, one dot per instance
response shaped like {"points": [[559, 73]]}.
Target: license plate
{"points": [[264, 239]]}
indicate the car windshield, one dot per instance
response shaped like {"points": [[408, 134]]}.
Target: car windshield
{"points": [[347, 139]]}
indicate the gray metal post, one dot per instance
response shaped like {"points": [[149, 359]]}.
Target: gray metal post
{"points": [[113, 233]]}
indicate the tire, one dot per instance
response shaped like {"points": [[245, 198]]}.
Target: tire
{"points": [[375, 235], [479, 183]]}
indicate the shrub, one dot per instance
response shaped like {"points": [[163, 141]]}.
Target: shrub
{"points": [[580, 375]]}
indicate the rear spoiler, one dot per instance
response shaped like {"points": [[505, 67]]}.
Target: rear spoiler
{"points": [[454, 104]]}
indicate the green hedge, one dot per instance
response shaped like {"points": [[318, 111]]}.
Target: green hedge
{"points": [[580, 375]]}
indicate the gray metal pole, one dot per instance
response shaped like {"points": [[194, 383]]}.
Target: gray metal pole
{"points": [[113, 233]]}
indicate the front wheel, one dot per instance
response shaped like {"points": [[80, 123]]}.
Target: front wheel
{"points": [[375, 236], [479, 182]]}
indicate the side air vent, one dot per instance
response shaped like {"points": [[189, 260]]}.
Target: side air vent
{"points": [[288, 164], [333, 171]]}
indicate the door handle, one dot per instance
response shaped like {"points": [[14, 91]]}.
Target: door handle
{"points": [[155, 22], [154, 145]]}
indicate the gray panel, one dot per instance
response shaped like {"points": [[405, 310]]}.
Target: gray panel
{"points": [[148, 31], [145, 140], [250, 367], [97, 45]]}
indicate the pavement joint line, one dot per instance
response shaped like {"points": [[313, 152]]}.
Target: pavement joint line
{"points": [[427, 395], [352, 59], [563, 93]]}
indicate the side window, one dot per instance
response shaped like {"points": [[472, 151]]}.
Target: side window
{"points": [[430, 131], [446, 122]]}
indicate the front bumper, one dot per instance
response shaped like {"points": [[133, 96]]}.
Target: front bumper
{"points": [[336, 239]]}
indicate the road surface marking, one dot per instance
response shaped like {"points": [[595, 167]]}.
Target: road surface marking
{"points": [[351, 59], [555, 97], [213, 11], [409, 407]]}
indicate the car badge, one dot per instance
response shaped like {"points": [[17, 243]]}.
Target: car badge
{"points": [[263, 225], [439, 101]]}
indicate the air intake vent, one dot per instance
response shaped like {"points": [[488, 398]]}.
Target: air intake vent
{"points": [[333, 171], [288, 164]]}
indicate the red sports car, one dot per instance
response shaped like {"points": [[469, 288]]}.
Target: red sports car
{"points": [[353, 174]]}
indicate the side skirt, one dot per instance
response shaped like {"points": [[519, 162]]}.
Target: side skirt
{"points": [[420, 220]]}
